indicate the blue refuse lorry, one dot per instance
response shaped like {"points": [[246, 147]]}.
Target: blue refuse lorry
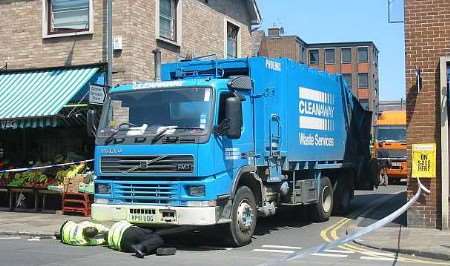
{"points": [[223, 142]]}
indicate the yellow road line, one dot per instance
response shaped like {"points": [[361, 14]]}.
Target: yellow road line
{"points": [[330, 234], [324, 232]]}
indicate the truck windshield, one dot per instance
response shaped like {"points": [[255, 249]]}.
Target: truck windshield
{"points": [[391, 134], [156, 109]]}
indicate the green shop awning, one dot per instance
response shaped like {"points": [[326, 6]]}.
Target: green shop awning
{"points": [[31, 123], [31, 98]]}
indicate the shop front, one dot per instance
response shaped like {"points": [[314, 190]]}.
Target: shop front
{"points": [[43, 123]]}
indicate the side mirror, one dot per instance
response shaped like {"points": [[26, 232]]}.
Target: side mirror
{"points": [[233, 117], [91, 122]]}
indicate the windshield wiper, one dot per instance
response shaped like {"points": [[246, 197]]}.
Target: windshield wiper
{"points": [[117, 130], [163, 132]]}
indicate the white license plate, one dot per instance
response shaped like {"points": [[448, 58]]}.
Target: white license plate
{"points": [[396, 164], [140, 218]]}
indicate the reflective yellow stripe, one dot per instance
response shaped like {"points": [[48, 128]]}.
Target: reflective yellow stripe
{"points": [[115, 234], [70, 234]]}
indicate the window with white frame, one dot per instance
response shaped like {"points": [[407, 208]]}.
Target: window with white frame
{"points": [[232, 40], [330, 56], [67, 16], [314, 57], [348, 78], [363, 54], [168, 19], [363, 80], [346, 55]]}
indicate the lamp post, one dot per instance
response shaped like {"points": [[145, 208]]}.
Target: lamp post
{"points": [[109, 43]]}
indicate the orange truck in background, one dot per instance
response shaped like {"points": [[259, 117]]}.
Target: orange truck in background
{"points": [[390, 146]]}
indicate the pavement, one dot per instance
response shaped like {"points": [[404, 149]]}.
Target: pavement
{"points": [[33, 224], [23, 240], [428, 243]]}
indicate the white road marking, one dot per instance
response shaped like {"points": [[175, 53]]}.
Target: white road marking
{"points": [[34, 239], [340, 251], [330, 255], [282, 247], [10, 238], [374, 253], [274, 250], [377, 258]]}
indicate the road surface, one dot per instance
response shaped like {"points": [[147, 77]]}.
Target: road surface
{"points": [[276, 238]]}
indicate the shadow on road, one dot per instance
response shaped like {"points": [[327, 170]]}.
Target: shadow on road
{"points": [[366, 218], [212, 238]]}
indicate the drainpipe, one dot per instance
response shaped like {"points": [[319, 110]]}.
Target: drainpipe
{"points": [[445, 155], [109, 43], [157, 58]]}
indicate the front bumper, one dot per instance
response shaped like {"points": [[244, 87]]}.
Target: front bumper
{"points": [[157, 215]]}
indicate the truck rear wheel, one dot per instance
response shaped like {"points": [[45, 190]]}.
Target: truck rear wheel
{"points": [[243, 217], [343, 195], [322, 209]]}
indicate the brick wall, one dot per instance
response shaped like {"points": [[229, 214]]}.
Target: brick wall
{"points": [[427, 38], [203, 31], [281, 47]]}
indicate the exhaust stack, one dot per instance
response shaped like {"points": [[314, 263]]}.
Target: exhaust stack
{"points": [[157, 58]]}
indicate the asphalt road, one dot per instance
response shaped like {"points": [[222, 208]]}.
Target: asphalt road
{"points": [[276, 238]]}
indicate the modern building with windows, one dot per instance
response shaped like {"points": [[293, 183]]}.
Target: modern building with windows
{"points": [[356, 61], [52, 51]]}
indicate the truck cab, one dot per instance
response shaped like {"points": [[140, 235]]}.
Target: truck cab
{"points": [[391, 146]]}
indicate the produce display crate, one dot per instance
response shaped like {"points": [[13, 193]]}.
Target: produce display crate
{"points": [[71, 184], [77, 203]]}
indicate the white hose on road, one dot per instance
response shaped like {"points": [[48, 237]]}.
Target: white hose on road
{"points": [[391, 217]]}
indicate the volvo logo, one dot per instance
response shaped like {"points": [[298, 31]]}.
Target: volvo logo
{"points": [[111, 150]]}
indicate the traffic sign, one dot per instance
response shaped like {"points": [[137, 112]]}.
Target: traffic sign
{"points": [[97, 94]]}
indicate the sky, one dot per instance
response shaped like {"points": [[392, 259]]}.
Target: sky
{"points": [[342, 21]]}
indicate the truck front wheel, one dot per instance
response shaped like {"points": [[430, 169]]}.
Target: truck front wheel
{"points": [[322, 209], [243, 217]]}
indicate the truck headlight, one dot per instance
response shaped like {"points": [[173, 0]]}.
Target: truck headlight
{"points": [[196, 190], [101, 201], [103, 188]]}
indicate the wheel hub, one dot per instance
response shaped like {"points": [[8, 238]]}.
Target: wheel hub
{"points": [[326, 199], [245, 216]]}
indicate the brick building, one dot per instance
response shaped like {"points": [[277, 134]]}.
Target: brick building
{"points": [[357, 61], [52, 50], [427, 42], [178, 27]]}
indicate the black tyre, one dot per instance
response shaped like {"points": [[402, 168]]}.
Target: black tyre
{"points": [[343, 195], [243, 217], [321, 210]]}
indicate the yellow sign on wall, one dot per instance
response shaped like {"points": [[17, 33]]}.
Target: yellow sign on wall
{"points": [[424, 160]]}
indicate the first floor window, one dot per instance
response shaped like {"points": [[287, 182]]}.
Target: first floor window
{"points": [[330, 56], [168, 19], [68, 16], [348, 80], [314, 57], [232, 40], [363, 80]]}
